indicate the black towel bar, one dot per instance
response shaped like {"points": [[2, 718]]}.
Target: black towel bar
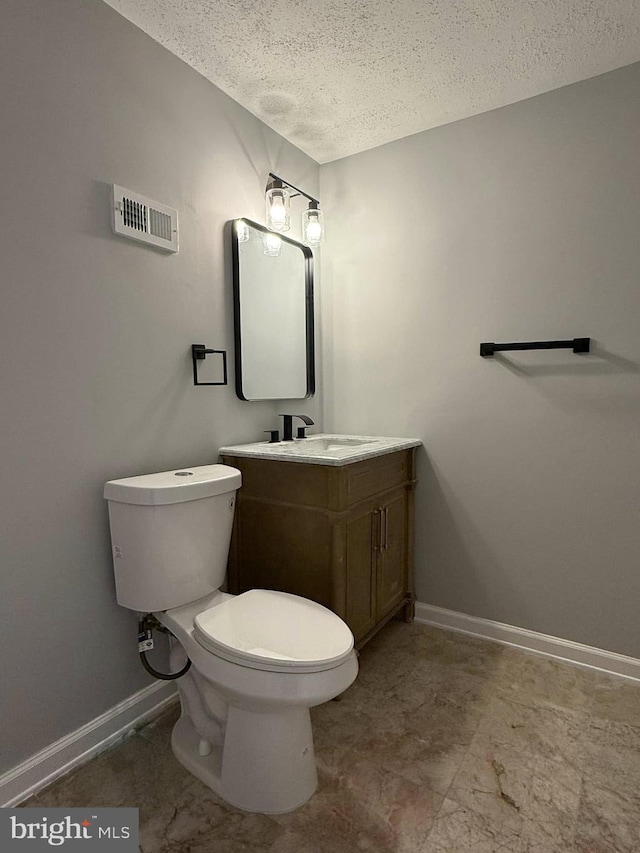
{"points": [[577, 345]]}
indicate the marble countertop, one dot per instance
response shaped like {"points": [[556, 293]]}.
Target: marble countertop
{"points": [[323, 449]]}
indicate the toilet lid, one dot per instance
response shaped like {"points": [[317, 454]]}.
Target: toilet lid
{"points": [[264, 629]]}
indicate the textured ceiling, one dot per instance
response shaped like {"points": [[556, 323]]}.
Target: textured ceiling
{"points": [[339, 76]]}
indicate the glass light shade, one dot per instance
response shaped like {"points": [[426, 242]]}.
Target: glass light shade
{"points": [[272, 245], [313, 227], [243, 231], [278, 209]]}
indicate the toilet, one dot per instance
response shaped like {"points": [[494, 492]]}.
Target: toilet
{"points": [[259, 660]]}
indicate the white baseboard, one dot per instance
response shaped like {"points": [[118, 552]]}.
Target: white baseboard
{"points": [[530, 641], [78, 747]]}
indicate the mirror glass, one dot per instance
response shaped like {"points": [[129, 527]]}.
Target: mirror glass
{"points": [[273, 314]]}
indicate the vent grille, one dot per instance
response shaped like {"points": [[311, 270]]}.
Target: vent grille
{"points": [[159, 224], [145, 220], [134, 214]]}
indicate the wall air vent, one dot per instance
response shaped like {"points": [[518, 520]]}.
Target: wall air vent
{"points": [[142, 219]]}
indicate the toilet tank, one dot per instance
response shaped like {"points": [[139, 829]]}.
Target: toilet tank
{"points": [[170, 534]]}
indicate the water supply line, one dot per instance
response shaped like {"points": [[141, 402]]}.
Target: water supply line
{"points": [[145, 643]]}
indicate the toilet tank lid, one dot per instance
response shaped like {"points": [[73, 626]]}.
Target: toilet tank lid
{"points": [[172, 487]]}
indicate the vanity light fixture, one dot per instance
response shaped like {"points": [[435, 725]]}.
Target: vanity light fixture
{"points": [[278, 199]]}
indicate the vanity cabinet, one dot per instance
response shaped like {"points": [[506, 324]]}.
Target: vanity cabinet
{"points": [[341, 535]]}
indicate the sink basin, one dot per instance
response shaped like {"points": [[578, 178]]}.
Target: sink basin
{"points": [[325, 445], [323, 449], [333, 442]]}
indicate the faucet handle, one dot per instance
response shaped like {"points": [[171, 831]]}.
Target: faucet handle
{"points": [[274, 435], [302, 432]]}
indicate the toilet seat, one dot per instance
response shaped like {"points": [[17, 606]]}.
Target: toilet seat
{"points": [[274, 631]]}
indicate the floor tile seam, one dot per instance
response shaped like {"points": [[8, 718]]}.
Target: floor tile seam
{"points": [[573, 832], [401, 778], [527, 762], [425, 840], [385, 824], [422, 784], [447, 795], [513, 748], [461, 806], [568, 764], [499, 827]]}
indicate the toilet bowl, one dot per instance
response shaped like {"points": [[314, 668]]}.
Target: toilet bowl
{"points": [[260, 660], [264, 657]]}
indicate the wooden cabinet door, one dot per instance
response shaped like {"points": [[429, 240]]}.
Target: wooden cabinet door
{"points": [[362, 533], [391, 568]]}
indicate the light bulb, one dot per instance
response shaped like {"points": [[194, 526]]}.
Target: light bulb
{"points": [[314, 231], [272, 245], [278, 213], [313, 227], [278, 209]]}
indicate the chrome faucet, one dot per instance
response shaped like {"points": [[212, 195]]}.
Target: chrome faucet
{"points": [[287, 426]]}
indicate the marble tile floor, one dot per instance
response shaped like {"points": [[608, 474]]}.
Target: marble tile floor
{"points": [[444, 744]]}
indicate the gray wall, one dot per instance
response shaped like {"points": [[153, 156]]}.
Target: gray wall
{"points": [[95, 331], [519, 224]]}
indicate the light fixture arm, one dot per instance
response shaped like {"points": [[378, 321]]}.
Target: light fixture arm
{"points": [[282, 182]]}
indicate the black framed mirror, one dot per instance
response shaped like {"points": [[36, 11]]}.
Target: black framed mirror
{"points": [[273, 314]]}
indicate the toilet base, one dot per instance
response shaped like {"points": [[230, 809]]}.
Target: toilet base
{"points": [[266, 763]]}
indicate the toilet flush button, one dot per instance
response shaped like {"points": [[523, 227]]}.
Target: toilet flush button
{"points": [[184, 474]]}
